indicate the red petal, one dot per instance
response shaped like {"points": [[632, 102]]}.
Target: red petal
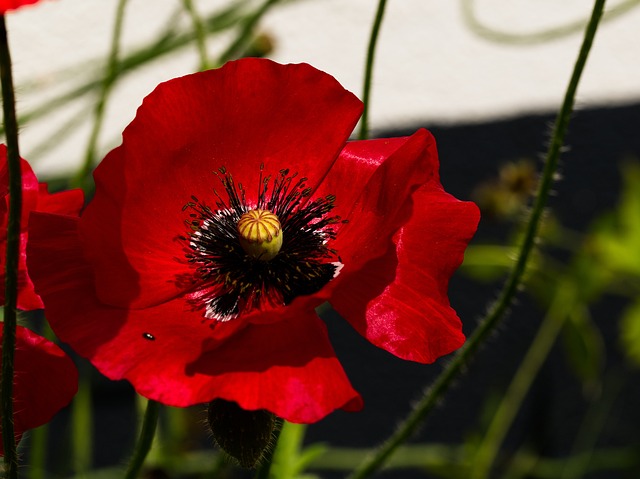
{"points": [[247, 113], [34, 198], [63, 203], [28, 300], [173, 367], [288, 368], [399, 301], [112, 338], [45, 380], [404, 239], [356, 164], [7, 5]]}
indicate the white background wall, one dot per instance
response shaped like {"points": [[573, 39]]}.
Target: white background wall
{"points": [[430, 68]]}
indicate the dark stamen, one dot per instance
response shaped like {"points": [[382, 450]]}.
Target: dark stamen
{"points": [[236, 282]]}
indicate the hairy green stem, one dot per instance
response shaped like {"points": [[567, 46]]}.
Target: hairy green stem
{"points": [[368, 71], [13, 253], [147, 433], [109, 79], [199, 32], [499, 309]]}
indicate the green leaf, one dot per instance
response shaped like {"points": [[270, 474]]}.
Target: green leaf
{"points": [[618, 236], [488, 262], [583, 345], [630, 333]]}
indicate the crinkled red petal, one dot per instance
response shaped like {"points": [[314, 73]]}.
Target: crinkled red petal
{"points": [[45, 380], [68, 202], [384, 201], [288, 367], [399, 301], [248, 113], [28, 300], [172, 354], [356, 163], [404, 239]]}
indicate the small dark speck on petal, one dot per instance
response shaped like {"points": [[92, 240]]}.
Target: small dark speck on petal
{"points": [[149, 336]]}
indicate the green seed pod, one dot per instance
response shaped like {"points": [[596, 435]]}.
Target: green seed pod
{"points": [[260, 234]]}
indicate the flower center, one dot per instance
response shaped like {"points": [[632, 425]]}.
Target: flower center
{"points": [[260, 234], [251, 255]]}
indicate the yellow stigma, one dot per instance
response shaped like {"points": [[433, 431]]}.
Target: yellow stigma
{"points": [[260, 234]]}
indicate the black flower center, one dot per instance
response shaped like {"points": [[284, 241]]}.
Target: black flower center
{"points": [[232, 279]]}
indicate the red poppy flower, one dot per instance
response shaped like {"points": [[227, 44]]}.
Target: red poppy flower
{"points": [[231, 210], [34, 198], [45, 381], [7, 5]]}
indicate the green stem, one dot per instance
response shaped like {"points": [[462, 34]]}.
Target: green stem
{"points": [[368, 72], [145, 440], [288, 459], [38, 452], [577, 465], [82, 422], [559, 310], [200, 35], [110, 76], [13, 253], [499, 309]]}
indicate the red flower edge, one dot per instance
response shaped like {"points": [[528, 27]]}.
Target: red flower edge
{"points": [[8, 5], [45, 381], [34, 198], [125, 296]]}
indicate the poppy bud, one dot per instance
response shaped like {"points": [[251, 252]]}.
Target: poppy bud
{"points": [[261, 46], [244, 435], [260, 234]]}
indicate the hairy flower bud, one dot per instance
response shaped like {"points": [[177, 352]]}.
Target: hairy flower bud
{"points": [[244, 435]]}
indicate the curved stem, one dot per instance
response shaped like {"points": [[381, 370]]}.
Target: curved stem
{"points": [[147, 433], [368, 73], [499, 308], [110, 76], [13, 253], [470, 17]]}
